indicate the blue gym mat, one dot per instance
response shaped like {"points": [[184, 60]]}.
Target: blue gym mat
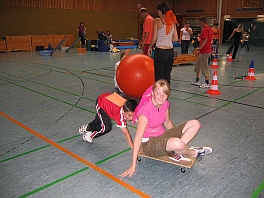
{"points": [[127, 47]]}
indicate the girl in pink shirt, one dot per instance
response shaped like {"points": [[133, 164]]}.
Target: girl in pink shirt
{"points": [[156, 135]]}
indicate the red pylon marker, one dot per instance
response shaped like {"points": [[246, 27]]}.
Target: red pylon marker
{"points": [[251, 69], [214, 63], [229, 57], [214, 85]]}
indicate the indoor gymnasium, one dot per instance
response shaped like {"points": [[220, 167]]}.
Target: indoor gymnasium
{"points": [[59, 56]]}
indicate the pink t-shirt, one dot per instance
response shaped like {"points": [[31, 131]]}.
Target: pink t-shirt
{"points": [[156, 117]]}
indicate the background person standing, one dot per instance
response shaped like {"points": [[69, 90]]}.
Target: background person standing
{"points": [[216, 36], [81, 29], [204, 51], [185, 38], [235, 36], [109, 37], [147, 30], [246, 37], [164, 32]]}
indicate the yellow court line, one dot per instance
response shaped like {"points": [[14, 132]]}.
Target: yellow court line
{"points": [[77, 157]]}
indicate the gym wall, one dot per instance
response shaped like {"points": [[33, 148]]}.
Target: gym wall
{"points": [[38, 21], [234, 8], [38, 17], [121, 18]]}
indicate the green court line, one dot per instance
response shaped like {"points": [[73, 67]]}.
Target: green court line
{"points": [[25, 153], [191, 94], [49, 86], [82, 96], [241, 97], [203, 95], [260, 188], [234, 82], [37, 149], [54, 182], [257, 192], [31, 151], [227, 102], [66, 139], [86, 97], [195, 95], [46, 95], [34, 64], [77, 172], [44, 66], [67, 70], [187, 100], [90, 99], [72, 174], [54, 99]]}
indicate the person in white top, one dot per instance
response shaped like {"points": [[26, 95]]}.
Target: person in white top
{"points": [[164, 32], [185, 38], [122, 56], [246, 37]]}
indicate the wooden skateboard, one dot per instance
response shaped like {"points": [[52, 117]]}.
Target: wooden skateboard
{"points": [[184, 165]]}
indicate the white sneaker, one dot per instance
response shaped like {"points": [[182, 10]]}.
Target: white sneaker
{"points": [[87, 136], [204, 85], [196, 83], [179, 158], [83, 128], [205, 150]]}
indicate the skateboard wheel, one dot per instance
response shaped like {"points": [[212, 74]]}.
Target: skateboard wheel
{"points": [[139, 159], [183, 170]]}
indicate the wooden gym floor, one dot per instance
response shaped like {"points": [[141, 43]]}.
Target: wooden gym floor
{"points": [[44, 99]]}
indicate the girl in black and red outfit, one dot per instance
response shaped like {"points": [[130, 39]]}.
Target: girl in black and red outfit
{"points": [[107, 110], [236, 35]]}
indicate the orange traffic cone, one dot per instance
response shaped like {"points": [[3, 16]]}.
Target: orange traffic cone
{"points": [[251, 69], [214, 63], [229, 57], [214, 86]]}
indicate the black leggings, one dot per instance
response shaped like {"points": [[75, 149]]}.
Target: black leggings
{"points": [[185, 44], [234, 42], [101, 124], [163, 62]]}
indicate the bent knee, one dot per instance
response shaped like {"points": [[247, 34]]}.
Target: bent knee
{"points": [[195, 123], [176, 144]]}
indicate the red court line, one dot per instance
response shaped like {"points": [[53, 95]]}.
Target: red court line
{"points": [[84, 161]]}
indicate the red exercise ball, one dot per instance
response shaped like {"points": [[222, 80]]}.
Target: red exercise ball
{"points": [[135, 74]]}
